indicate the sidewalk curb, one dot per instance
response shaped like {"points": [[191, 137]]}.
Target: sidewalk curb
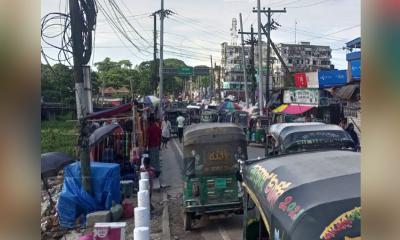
{"points": [[166, 233]]}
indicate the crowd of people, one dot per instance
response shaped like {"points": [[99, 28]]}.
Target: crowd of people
{"points": [[158, 134]]}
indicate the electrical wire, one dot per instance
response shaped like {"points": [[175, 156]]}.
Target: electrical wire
{"points": [[310, 5], [88, 13]]}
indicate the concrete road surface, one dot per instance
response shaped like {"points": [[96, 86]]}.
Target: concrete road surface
{"points": [[210, 229]]}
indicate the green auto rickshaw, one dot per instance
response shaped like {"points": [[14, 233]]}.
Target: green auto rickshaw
{"points": [[210, 173], [257, 129]]}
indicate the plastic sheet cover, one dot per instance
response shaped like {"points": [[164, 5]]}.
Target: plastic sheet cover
{"points": [[74, 201]]}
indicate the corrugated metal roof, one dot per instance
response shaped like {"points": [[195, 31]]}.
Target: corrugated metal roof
{"points": [[346, 92]]}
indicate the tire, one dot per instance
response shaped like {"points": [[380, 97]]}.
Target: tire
{"points": [[187, 221]]}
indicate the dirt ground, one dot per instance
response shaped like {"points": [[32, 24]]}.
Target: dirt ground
{"points": [[156, 217], [176, 221]]}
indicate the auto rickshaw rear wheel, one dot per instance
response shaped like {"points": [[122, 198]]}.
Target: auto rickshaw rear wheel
{"points": [[187, 221]]}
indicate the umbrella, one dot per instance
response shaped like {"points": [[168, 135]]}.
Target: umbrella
{"points": [[100, 132], [228, 105], [51, 164], [150, 100]]}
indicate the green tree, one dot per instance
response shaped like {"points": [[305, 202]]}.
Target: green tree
{"points": [[58, 84], [114, 74]]}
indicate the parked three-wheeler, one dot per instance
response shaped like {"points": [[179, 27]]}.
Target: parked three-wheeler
{"points": [[300, 137], [193, 113], [302, 196], [257, 129], [211, 152], [209, 116]]}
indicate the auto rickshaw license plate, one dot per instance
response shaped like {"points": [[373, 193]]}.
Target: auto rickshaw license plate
{"points": [[220, 183]]}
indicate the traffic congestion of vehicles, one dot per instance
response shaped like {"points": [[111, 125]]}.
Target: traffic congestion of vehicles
{"points": [[306, 186]]}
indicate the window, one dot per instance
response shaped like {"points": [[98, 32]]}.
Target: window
{"points": [[297, 61], [302, 61], [314, 62], [308, 61], [290, 60]]}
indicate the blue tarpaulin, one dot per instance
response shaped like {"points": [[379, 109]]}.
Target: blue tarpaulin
{"points": [[334, 78], [74, 201]]}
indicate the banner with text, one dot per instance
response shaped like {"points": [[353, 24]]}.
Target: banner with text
{"points": [[307, 96]]}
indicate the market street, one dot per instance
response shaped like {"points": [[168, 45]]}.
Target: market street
{"points": [[211, 229]]}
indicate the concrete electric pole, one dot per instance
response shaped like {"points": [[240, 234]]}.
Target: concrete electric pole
{"points": [[161, 72], [155, 80], [83, 20], [211, 78], [244, 63], [260, 75], [268, 33]]}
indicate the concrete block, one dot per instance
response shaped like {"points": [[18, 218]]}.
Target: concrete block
{"points": [[96, 217]]}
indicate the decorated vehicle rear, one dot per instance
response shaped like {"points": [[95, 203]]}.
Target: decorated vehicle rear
{"points": [[211, 152], [311, 195]]}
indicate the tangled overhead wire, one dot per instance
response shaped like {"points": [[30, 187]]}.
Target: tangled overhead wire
{"points": [[56, 26], [56, 33]]}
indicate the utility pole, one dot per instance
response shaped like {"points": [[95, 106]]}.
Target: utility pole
{"points": [[219, 84], [270, 26], [260, 78], [295, 31], [243, 62], [251, 69], [267, 89], [163, 13], [211, 77], [161, 88], [252, 66], [80, 59], [155, 52]]}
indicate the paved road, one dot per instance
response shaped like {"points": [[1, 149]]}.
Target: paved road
{"points": [[210, 229]]}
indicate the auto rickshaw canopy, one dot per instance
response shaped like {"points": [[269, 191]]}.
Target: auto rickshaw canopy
{"points": [[212, 132], [307, 136], [213, 149], [307, 195]]}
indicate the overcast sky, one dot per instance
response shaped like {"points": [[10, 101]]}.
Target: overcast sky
{"points": [[198, 27]]}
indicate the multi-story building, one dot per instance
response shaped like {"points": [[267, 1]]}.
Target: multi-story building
{"points": [[231, 62], [232, 68], [302, 57]]}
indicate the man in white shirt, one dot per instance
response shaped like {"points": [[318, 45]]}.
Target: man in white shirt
{"points": [[180, 120]]}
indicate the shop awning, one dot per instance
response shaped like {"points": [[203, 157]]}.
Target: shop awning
{"points": [[280, 108], [296, 109], [111, 112], [346, 92]]}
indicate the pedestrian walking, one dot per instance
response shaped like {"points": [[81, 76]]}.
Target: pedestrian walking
{"points": [[165, 131], [181, 121], [153, 144]]}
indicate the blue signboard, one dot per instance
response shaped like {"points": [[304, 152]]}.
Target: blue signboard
{"points": [[334, 78], [355, 66]]}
